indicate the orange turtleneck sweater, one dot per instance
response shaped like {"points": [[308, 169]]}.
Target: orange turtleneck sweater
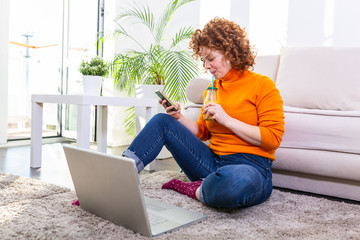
{"points": [[253, 99]]}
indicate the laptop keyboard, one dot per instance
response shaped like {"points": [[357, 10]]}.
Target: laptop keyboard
{"points": [[155, 219], [155, 207]]}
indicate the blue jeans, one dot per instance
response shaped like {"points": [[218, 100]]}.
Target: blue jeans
{"points": [[229, 181]]}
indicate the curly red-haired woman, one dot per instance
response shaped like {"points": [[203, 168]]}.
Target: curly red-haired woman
{"points": [[247, 126]]}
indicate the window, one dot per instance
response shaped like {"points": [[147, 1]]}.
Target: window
{"points": [[34, 62], [80, 34], [48, 40]]}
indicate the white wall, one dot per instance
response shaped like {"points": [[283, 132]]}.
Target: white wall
{"points": [[4, 52], [271, 24], [276, 23], [240, 12], [327, 22]]}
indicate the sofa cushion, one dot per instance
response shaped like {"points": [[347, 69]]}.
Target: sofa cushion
{"points": [[337, 131], [195, 89], [320, 77], [322, 163], [267, 65]]}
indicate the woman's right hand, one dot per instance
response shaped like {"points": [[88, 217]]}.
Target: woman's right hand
{"points": [[189, 124], [174, 114]]}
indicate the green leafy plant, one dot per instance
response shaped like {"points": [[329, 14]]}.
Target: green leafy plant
{"points": [[160, 60], [95, 66]]}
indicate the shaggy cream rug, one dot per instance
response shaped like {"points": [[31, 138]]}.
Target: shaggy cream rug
{"points": [[31, 209]]}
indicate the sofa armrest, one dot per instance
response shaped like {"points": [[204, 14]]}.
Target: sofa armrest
{"points": [[192, 105], [192, 111], [195, 88], [267, 65]]}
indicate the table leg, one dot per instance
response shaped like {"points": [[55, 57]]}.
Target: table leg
{"points": [[36, 134], [150, 112], [83, 126], [102, 128]]}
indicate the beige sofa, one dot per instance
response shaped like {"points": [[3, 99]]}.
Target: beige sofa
{"points": [[320, 86]]}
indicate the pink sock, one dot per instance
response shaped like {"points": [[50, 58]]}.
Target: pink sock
{"points": [[75, 203], [186, 188]]}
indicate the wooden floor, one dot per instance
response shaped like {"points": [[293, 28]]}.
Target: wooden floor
{"points": [[16, 160]]}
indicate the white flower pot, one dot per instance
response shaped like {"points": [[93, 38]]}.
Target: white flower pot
{"points": [[92, 85]]}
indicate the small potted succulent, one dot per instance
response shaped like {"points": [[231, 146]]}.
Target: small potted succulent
{"points": [[93, 71]]}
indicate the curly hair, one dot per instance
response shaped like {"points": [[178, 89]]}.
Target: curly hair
{"points": [[227, 37]]}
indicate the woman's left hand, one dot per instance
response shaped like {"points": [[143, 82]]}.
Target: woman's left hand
{"points": [[217, 112]]}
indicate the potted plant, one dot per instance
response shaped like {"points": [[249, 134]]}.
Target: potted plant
{"points": [[93, 71], [160, 60]]}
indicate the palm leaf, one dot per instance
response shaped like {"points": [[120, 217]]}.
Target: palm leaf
{"points": [[166, 16], [183, 34], [143, 15], [128, 70], [120, 31], [179, 71], [100, 40], [130, 124], [156, 66]]}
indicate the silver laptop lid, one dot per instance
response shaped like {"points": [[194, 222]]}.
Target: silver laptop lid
{"points": [[97, 176]]}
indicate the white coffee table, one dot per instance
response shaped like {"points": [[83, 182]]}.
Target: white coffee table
{"points": [[84, 104]]}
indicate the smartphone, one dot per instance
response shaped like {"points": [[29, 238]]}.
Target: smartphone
{"points": [[168, 102]]}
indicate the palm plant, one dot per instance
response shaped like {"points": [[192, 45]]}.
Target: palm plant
{"points": [[160, 60], [155, 63]]}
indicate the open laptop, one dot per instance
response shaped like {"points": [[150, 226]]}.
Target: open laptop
{"points": [[108, 186]]}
